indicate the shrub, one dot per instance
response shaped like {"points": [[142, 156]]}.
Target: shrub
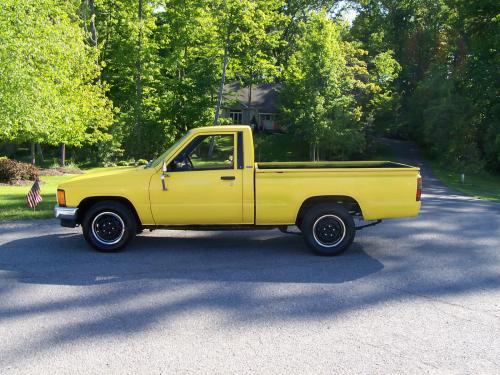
{"points": [[141, 162], [122, 163], [11, 170]]}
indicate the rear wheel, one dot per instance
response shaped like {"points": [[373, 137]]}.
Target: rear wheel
{"points": [[108, 226], [328, 229]]}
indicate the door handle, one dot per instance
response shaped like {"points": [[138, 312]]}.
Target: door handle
{"points": [[225, 178]]}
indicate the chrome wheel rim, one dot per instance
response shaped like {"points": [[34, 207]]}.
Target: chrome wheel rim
{"points": [[108, 228], [329, 230]]}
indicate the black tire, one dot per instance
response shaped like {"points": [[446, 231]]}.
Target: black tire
{"points": [[328, 229], [108, 226]]}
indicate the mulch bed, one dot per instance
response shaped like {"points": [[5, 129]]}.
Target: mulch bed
{"points": [[59, 171], [18, 183]]}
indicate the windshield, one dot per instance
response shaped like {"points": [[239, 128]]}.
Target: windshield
{"points": [[162, 157]]}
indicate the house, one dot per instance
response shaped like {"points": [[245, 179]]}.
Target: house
{"points": [[255, 106]]}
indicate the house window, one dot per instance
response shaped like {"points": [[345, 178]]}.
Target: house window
{"points": [[236, 117], [267, 116]]}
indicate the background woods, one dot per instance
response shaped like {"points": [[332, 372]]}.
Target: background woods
{"points": [[118, 79]]}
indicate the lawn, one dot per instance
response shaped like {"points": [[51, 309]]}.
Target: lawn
{"points": [[480, 185], [13, 202], [13, 198]]}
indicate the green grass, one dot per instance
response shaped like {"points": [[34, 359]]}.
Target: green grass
{"points": [[13, 204], [13, 198], [480, 185]]}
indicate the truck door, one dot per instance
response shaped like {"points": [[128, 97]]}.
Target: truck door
{"points": [[203, 184]]}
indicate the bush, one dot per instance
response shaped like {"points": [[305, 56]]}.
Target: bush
{"points": [[122, 163], [141, 162], [11, 170]]}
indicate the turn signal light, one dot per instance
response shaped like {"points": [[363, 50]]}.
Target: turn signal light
{"points": [[61, 197], [419, 188]]}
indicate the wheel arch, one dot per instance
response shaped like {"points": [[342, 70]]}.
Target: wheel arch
{"points": [[86, 203], [348, 202]]}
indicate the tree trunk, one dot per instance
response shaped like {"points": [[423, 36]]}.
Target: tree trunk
{"points": [[250, 94], [93, 31], [40, 152], [219, 96], [222, 82], [138, 76], [32, 150], [62, 160], [314, 151]]}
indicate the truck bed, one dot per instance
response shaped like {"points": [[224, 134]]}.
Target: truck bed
{"points": [[382, 189]]}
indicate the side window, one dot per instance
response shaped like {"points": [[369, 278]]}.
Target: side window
{"points": [[206, 152]]}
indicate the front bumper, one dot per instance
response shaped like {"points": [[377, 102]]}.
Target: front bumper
{"points": [[67, 215]]}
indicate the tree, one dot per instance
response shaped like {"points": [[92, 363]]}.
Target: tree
{"points": [[129, 55], [246, 33], [448, 88], [49, 92], [328, 94]]}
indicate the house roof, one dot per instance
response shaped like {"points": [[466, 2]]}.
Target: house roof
{"points": [[264, 97]]}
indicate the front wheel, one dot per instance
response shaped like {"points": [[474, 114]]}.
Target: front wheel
{"points": [[328, 229], [108, 226]]}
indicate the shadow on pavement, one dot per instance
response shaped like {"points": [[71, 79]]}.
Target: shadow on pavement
{"points": [[210, 256]]}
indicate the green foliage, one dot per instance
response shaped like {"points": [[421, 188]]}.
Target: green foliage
{"points": [[11, 170], [49, 93], [130, 67], [446, 95], [329, 97], [446, 124], [163, 64], [126, 78], [386, 68], [279, 147]]}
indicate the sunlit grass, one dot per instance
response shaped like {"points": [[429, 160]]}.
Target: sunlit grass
{"points": [[480, 185], [13, 204]]}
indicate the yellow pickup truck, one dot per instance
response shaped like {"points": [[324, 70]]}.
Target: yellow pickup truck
{"points": [[209, 180]]}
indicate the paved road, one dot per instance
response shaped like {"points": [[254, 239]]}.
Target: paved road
{"points": [[411, 296]]}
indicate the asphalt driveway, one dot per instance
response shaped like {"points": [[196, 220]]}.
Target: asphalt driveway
{"points": [[411, 296]]}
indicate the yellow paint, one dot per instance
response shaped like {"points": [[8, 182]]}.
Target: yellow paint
{"points": [[381, 193], [201, 197]]}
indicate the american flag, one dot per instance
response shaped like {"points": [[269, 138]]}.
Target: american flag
{"points": [[33, 197]]}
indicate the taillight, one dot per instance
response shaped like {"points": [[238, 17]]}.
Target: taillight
{"points": [[61, 197], [419, 188]]}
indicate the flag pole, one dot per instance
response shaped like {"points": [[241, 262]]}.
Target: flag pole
{"points": [[34, 206]]}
